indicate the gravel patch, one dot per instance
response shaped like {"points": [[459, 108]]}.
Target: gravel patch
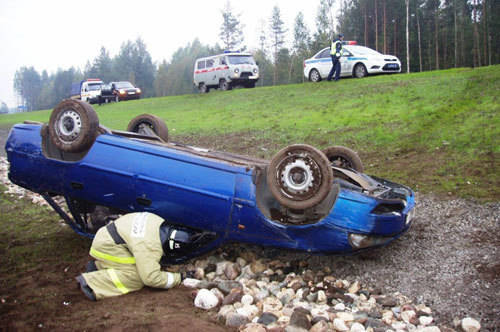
{"points": [[449, 260], [4, 132]]}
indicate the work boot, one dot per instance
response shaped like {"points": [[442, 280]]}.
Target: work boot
{"points": [[89, 293]]}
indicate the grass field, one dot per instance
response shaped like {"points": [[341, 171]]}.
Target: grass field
{"points": [[434, 131]]}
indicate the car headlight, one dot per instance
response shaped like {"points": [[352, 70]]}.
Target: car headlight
{"points": [[360, 241], [138, 90], [236, 70], [122, 92], [255, 70]]}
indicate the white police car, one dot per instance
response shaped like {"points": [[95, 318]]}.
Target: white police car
{"points": [[357, 61]]}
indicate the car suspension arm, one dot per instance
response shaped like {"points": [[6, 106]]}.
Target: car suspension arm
{"points": [[71, 223]]}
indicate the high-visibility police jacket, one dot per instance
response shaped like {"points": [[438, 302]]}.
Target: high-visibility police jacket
{"points": [[130, 249], [336, 48]]}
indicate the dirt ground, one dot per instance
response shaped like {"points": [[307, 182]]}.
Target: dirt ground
{"points": [[48, 298]]}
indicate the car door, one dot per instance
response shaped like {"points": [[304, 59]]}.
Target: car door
{"points": [[324, 64], [211, 78], [346, 63]]}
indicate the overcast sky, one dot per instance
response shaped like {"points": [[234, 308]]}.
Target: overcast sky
{"points": [[54, 34]]}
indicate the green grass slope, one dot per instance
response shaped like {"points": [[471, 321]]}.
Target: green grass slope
{"points": [[435, 131]]}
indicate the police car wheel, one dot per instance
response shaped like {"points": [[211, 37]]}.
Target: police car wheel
{"points": [[299, 177], [314, 76], [360, 70], [340, 156], [73, 126]]}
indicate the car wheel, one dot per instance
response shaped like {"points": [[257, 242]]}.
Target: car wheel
{"points": [[340, 156], [145, 123], [299, 176], [224, 85], [203, 88], [360, 70], [73, 126], [314, 76]]}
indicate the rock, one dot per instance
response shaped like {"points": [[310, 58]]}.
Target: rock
{"points": [[199, 273], [221, 267], [205, 299], [387, 317], [321, 297], [224, 311], [425, 320], [317, 319], [321, 326], [253, 327], [218, 293], [430, 329], [267, 318], [374, 323], [241, 261], [398, 325], [235, 320], [234, 296], [232, 271], [257, 267], [301, 318], [339, 325], [357, 327], [261, 294], [191, 283], [339, 307], [312, 297], [249, 311], [272, 305], [247, 299], [360, 317], [211, 267], [470, 325], [226, 286], [409, 316], [345, 316], [387, 301], [354, 288]]}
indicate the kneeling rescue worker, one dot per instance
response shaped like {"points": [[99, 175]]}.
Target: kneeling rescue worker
{"points": [[128, 252]]}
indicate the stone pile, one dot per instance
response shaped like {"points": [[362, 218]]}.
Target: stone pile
{"points": [[271, 295]]}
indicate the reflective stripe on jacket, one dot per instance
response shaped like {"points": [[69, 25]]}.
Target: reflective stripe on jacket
{"points": [[142, 247], [336, 48]]}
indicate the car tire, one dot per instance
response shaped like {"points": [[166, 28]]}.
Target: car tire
{"points": [[299, 177], [340, 156], [157, 125], [314, 75], [73, 126], [224, 85], [203, 88], [360, 71]]}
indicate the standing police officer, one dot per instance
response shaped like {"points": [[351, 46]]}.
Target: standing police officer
{"points": [[336, 52], [128, 252]]}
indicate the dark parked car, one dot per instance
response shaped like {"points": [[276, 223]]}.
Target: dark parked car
{"points": [[125, 91], [303, 199]]}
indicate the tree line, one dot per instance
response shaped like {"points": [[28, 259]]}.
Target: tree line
{"points": [[424, 34]]}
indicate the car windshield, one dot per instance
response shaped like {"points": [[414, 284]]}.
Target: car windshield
{"points": [[123, 85], [241, 59], [94, 87], [361, 50]]}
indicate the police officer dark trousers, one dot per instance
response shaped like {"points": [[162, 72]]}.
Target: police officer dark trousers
{"points": [[128, 253], [335, 53]]}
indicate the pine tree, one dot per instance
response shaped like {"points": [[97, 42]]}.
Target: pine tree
{"points": [[278, 38], [231, 32]]}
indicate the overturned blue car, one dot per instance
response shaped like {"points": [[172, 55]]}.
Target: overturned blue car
{"points": [[303, 198]]}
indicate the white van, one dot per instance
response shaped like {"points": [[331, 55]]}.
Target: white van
{"points": [[224, 71]]}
